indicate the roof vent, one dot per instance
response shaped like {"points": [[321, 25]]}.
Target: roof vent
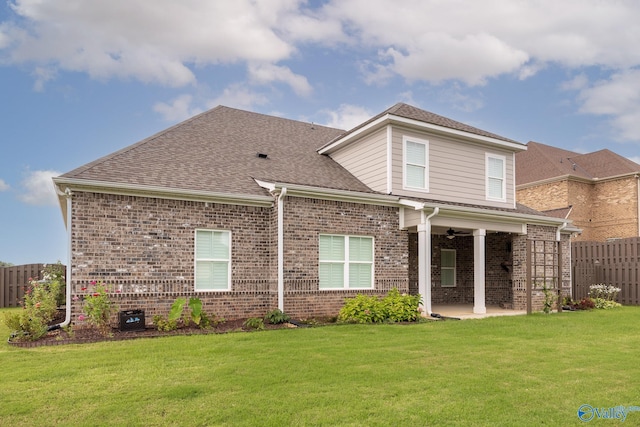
{"points": [[262, 156]]}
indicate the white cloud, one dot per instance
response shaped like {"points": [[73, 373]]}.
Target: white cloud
{"points": [[619, 98], [38, 188], [577, 83], [42, 75], [152, 41], [490, 56], [267, 73], [347, 116], [179, 109], [4, 186], [238, 96]]}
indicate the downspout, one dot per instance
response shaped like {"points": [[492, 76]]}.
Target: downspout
{"points": [[283, 193], [67, 318], [559, 239], [424, 241]]}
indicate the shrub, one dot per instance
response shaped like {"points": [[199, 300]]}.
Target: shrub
{"points": [[254, 323], [394, 307], [401, 307], [605, 304], [98, 307], [586, 304], [277, 316], [39, 307], [605, 292], [362, 309]]}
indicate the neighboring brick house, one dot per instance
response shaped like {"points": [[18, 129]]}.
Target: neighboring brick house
{"points": [[599, 191], [251, 212]]}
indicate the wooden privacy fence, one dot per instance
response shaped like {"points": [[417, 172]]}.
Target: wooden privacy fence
{"points": [[14, 281], [614, 263]]}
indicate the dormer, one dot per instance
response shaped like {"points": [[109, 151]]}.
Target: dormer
{"points": [[409, 152]]}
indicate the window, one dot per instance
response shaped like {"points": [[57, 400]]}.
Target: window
{"points": [[346, 262], [416, 161], [213, 260], [496, 181], [448, 267]]}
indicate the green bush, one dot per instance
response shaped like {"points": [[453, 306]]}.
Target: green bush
{"points": [[401, 307], [394, 307], [39, 307], [277, 316], [605, 304], [98, 307], [362, 309], [254, 323]]}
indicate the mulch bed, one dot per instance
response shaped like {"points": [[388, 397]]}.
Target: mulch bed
{"points": [[90, 335]]}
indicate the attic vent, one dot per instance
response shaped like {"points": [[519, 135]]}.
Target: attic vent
{"points": [[262, 155]]}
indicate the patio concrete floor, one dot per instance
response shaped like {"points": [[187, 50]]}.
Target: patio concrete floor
{"points": [[465, 311]]}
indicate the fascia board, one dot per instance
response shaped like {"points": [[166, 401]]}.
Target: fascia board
{"points": [[477, 213], [337, 195], [161, 192]]}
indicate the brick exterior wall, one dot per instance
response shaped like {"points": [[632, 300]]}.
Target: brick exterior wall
{"points": [[306, 219], [615, 210], [603, 210], [544, 197], [520, 273], [144, 249]]}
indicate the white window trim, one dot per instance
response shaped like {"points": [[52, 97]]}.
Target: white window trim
{"points": [[346, 262], [504, 176], [455, 265], [196, 259], [424, 142]]}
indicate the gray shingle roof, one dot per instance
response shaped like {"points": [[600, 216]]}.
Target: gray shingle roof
{"points": [[410, 112], [218, 150], [542, 162]]}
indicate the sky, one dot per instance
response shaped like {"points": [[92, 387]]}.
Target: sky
{"points": [[82, 79]]}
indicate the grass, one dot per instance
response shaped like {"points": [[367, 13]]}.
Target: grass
{"points": [[523, 370]]}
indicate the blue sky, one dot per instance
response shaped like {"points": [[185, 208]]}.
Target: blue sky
{"points": [[79, 80]]}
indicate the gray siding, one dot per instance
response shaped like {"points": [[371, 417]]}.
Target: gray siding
{"points": [[456, 170], [366, 159]]}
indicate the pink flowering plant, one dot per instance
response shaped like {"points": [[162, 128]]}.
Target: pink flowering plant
{"points": [[97, 307], [39, 306]]}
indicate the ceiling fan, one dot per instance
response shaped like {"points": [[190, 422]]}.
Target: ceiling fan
{"points": [[451, 233]]}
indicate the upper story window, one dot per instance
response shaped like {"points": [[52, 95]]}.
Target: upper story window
{"points": [[496, 177], [346, 262], [213, 260], [416, 163]]}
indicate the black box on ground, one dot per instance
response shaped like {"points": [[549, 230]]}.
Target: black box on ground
{"points": [[132, 320]]}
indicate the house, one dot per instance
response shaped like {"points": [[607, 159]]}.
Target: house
{"points": [[598, 191], [251, 212]]}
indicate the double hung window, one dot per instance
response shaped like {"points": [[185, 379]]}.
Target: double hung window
{"points": [[212, 260], [416, 164], [496, 171], [345, 262]]}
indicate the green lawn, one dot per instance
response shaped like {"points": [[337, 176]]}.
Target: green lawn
{"points": [[524, 370]]}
